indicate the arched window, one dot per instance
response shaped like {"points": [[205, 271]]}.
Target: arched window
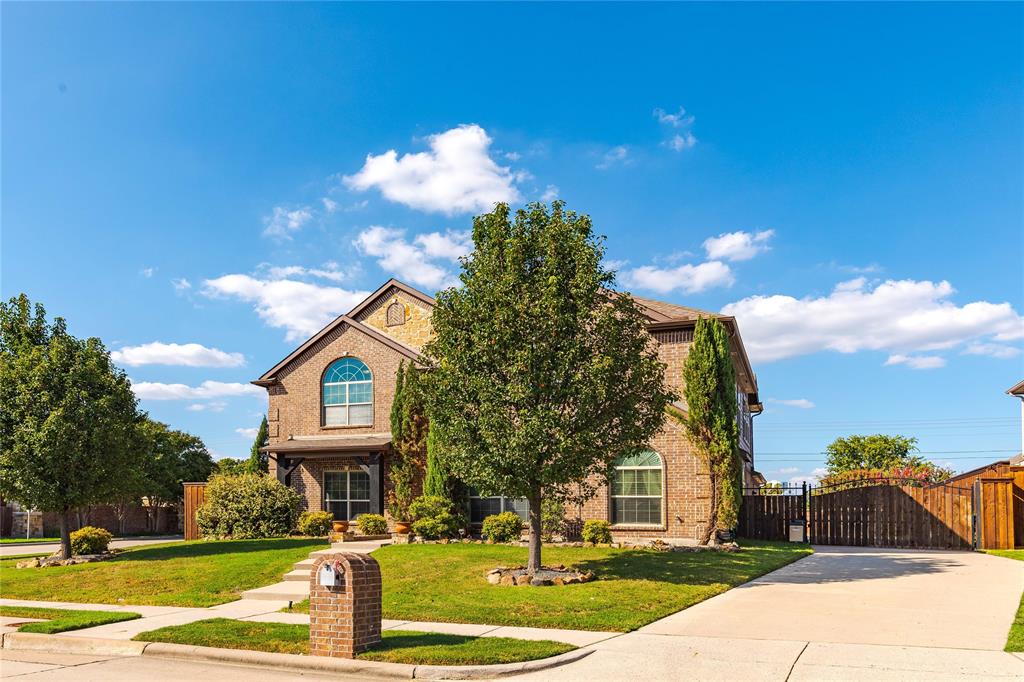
{"points": [[636, 489], [348, 393]]}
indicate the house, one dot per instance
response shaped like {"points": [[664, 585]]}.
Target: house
{"points": [[330, 402], [1017, 391]]}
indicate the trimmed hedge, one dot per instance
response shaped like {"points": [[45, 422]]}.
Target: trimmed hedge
{"points": [[90, 540], [372, 524], [315, 524], [597, 531], [503, 527], [432, 517], [247, 506]]}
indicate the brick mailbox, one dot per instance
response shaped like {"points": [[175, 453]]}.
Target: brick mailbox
{"points": [[344, 604]]}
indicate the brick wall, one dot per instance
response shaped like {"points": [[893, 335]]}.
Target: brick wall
{"points": [[104, 516], [345, 620]]}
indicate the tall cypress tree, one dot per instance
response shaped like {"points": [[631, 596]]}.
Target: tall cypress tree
{"points": [[710, 393], [257, 463]]}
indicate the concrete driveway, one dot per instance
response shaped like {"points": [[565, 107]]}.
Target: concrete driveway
{"points": [[844, 613], [860, 595]]}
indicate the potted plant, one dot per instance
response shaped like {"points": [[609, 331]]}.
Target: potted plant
{"points": [[400, 497], [339, 526]]}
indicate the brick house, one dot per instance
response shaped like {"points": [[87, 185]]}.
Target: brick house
{"points": [[330, 402]]}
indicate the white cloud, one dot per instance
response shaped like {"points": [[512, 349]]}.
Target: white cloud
{"points": [[302, 308], [550, 193], [150, 390], [917, 361], [330, 271], [785, 471], [212, 406], [615, 156], [680, 119], [994, 350], [457, 174], [896, 316], [687, 278], [247, 433], [181, 284], [802, 403], [512, 156], [282, 222], [147, 272], [412, 261], [330, 205], [816, 475], [736, 246], [679, 142], [182, 355]]}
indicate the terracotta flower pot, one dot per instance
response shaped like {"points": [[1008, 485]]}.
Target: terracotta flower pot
{"points": [[340, 526], [403, 527]]}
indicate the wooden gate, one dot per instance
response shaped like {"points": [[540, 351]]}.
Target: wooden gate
{"points": [[195, 493], [997, 507], [870, 514]]}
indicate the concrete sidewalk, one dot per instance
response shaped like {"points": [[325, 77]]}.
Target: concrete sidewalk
{"points": [[264, 611]]}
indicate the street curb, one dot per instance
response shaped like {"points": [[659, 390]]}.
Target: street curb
{"points": [[396, 671], [478, 672], [31, 641], [34, 641]]}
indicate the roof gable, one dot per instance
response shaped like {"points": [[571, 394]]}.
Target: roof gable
{"points": [[386, 290]]}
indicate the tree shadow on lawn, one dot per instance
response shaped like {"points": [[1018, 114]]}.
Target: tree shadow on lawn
{"points": [[217, 547], [686, 568]]}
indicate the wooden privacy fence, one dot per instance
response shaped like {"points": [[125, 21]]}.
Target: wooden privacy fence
{"points": [[920, 517], [195, 493], [766, 514]]}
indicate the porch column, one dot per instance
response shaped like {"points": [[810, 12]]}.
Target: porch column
{"points": [[376, 484]]}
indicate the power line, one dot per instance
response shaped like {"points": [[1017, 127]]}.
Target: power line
{"points": [[930, 452]]}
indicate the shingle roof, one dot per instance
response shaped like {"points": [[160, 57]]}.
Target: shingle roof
{"points": [[672, 311]]}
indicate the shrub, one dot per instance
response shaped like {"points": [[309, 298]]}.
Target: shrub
{"points": [[316, 524], [552, 519], [372, 524], [503, 527], [247, 506], [90, 540], [597, 531], [432, 517]]}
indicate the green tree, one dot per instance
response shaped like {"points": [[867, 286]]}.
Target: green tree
{"points": [[710, 421], [258, 460], [69, 424], [409, 428], [437, 480], [878, 451], [171, 458], [229, 466], [541, 375]]}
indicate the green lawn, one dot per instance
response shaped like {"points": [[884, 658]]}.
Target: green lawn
{"points": [[1015, 639], [421, 648], [200, 573], [62, 620], [634, 587], [19, 541]]}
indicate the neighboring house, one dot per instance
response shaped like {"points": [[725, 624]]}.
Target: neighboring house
{"points": [[330, 403], [1017, 391]]}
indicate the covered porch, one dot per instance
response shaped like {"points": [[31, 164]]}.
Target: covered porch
{"points": [[344, 475]]}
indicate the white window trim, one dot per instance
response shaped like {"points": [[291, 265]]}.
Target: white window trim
{"points": [[612, 496], [346, 405], [348, 488]]}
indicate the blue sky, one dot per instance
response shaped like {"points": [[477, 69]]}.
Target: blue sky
{"points": [[846, 179]]}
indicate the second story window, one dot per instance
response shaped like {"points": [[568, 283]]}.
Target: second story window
{"points": [[348, 393]]}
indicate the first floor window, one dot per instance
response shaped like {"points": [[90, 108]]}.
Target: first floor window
{"points": [[480, 507], [346, 494], [636, 489]]}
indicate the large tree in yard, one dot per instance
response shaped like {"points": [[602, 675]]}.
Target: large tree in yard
{"points": [[878, 451], [710, 421], [542, 376], [170, 458], [69, 426]]}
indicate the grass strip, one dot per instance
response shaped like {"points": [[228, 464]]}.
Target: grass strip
{"points": [[1015, 638], [62, 620], [418, 648]]}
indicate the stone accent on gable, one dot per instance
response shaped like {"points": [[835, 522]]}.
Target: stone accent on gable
{"points": [[415, 332]]}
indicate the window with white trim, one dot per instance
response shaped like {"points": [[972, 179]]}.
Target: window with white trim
{"points": [[636, 489], [482, 506], [348, 393], [347, 493]]}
